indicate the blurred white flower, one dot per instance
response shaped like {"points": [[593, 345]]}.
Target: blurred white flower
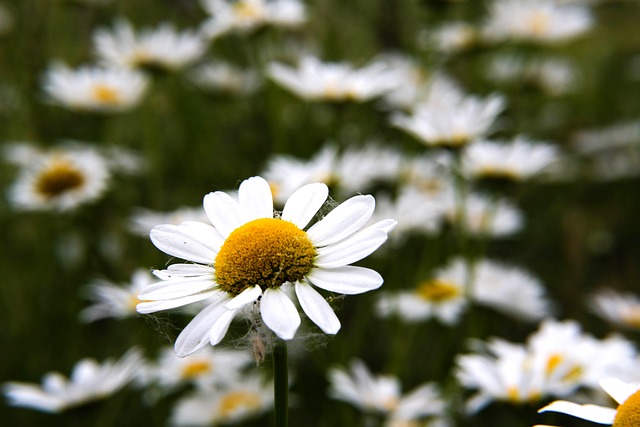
{"points": [[442, 296], [484, 216], [116, 301], [516, 160], [247, 15], [542, 21], [314, 80], [382, 394], [453, 37], [224, 77], [357, 169], [89, 381], [627, 395], [232, 403], [619, 308], [161, 48], [94, 89], [450, 120], [60, 179], [142, 220]]}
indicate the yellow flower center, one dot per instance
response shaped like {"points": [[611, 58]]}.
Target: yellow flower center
{"points": [[247, 10], [437, 290], [195, 369], [628, 414], [539, 23], [106, 94], [59, 178], [266, 252], [238, 401], [631, 318]]}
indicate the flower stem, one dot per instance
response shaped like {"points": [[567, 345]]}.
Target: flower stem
{"points": [[281, 384]]}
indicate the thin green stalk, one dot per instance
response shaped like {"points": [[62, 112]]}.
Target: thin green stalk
{"points": [[281, 384]]}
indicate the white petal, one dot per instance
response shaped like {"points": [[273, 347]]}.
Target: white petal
{"points": [[153, 306], [245, 297], [594, 413], [255, 198], [196, 334], [620, 391], [187, 270], [279, 313], [350, 250], [343, 221], [318, 310], [223, 212], [176, 288], [304, 204], [348, 280], [220, 327], [186, 241]]}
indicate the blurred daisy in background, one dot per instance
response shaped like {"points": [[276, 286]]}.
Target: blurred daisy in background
{"points": [[627, 414], [314, 80], [142, 220], [162, 48], [516, 160], [115, 301], [251, 261], [247, 397], [244, 16], [540, 21], [452, 37], [443, 296], [382, 394], [89, 381], [486, 216], [618, 308], [218, 76], [94, 89], [59, 179]]}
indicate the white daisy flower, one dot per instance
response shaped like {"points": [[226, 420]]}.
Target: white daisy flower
{"points": [[382, 394], [60, 179], [517, 160], [247, 15], [314, 80], [486, 216], [89, 381], [205, 369], [451, 121], [619, 308], [442, 296], [453, 37], [161, 48], [94, 89], [627, 414], [250, 258], [543, 21], [115, 301], [243, 399], [359, 168]]}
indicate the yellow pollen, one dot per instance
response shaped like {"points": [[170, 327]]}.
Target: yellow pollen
{"points": [[195, 369], [59, 178], [266, 252], [437, 290], [106, 94], [628, 414], [553, 362], [238, 401], [539, 23], [632, 318], [246, 10]]}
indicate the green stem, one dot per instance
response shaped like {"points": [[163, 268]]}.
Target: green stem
{"points": [[281, 384]]}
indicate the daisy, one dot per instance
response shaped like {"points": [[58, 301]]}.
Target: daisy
{"points": [[89, 381], [60, 179], [618, 308], [450, 121], [224, 77], [161, 48], [484, 216], [94, 89], [248, 15], [360, 168], [115, 301], [543, 21], [314, 80], [453, 37], [441, 296], [382, 394], [232, 403], [627, 414], [251, 260], [517, 160]]}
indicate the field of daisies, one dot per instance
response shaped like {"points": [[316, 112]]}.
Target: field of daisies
{"points": [[394, 213]]}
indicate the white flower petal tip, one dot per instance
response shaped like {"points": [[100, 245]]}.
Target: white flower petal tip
{"points": [[255, 198], [619, 390], [304, 203], [317, 308], [279, 313], [594, 413]]}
